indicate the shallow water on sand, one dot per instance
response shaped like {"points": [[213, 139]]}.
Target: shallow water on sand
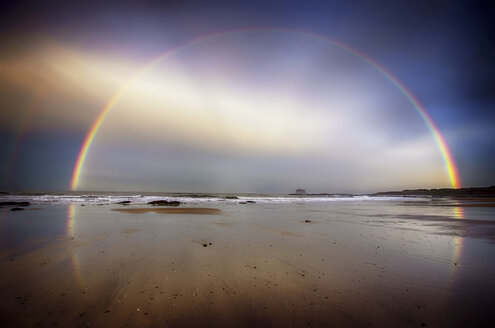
{"points": [[393, 262]]}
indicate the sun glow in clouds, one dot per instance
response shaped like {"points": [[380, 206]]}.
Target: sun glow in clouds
{"points": [[225, 106]]}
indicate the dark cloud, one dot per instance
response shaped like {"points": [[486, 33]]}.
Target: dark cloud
{"points": [[479, 68]]}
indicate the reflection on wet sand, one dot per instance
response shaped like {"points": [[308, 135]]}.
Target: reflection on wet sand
{"points": [[71, 234], [457, 245], [71, 214]]}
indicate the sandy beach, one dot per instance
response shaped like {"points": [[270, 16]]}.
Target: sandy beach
{"points": [[344, 263]]}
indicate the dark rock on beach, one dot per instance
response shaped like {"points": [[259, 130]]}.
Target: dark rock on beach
{"points": [[231, 197], [17, 209], [124, 202], [164, 203], [15, 203]]}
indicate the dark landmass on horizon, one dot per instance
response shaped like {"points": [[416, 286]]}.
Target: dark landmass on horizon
{"points": [[442, 192], [438, 192]]}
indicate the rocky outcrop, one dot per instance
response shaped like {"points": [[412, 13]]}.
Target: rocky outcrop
{"points": [[164, 203], [15, 204], [443, 192]]}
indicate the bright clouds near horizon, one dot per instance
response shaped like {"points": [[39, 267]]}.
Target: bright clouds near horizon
{"points": [[263, 112], [58, 87]]}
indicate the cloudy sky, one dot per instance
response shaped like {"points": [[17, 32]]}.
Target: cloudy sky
{"points": [[269, 98]]}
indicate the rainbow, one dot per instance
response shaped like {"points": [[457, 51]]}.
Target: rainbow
{"points": [[442, 145]]}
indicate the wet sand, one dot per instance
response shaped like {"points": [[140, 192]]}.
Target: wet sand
{"points": [[165, 210], [475, 205], [267, 265]]}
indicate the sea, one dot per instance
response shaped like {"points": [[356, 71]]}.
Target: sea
{"points": [[82, 197]]}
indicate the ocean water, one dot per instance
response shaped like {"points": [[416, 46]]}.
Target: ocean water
{"points": [[143, 198], [280, 261]]}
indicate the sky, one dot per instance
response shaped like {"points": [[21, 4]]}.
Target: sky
{"points": [[255, 96]]}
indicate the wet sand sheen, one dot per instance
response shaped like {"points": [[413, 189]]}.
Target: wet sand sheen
{"points": [[472, 205], [161, 210]]}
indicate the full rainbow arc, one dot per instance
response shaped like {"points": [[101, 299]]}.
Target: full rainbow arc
{"points": [[450, 165]]}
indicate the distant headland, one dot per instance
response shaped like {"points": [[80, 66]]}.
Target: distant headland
{"points": [[442, 192]]}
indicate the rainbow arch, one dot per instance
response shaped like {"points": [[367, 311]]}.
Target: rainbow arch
{"points": [[450, 165]]}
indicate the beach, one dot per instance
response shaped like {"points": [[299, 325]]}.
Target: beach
{"points": [[346, 262]]}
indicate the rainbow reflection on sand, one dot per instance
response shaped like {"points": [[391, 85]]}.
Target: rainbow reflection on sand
{"points": [[458, 243], [71, 233]]}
